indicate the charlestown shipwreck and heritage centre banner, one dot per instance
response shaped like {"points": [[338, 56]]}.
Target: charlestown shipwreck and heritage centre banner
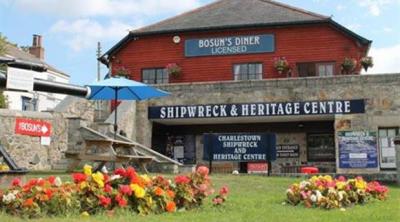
{"points": [[240, 147], [329, 107]]}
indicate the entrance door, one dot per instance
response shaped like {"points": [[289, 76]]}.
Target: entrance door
{"points": [[320, 148], [387, 148]]}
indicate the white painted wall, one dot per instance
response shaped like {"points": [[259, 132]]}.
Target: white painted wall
{"points": [[45, 101]]}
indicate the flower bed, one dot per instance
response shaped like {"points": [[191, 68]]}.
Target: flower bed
{"points": [[326, 192], [92, 193]]}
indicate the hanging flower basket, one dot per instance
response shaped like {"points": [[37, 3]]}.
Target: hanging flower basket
{"points": [[367, 62], [348, 65], [122, 72], [174, 70], [281, 65]]}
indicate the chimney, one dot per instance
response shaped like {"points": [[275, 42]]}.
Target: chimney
{"points": [[36, 49]]}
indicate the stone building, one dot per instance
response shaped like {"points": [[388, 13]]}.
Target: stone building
{"points": [[282, 71]]}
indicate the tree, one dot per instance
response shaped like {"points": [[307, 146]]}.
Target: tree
{"points": [[3, 49]]}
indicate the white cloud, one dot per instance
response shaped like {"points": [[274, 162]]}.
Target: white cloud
{"points": [[340, 7], [376, 6], [85, 33], [110, 8], [386, 60]]}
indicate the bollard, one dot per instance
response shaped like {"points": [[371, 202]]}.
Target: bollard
{"points": [[397, 144]]}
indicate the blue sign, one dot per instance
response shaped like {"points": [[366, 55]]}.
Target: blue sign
{"points": [[358, 149], [230, 45], [329, 107], [240, 147]]}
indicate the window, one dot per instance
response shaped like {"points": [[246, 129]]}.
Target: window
{"points": [[28, 104], [316, 69], [320, 148], [247, 71], [155, 76], [387, 148], [325, 69]]}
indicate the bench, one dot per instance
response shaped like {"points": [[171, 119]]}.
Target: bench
{"points": [[107, 151]]}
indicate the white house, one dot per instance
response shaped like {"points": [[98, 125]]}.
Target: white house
{"points": [[27, 62]]}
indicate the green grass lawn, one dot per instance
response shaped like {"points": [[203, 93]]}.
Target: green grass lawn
{"points": [[258, 198]]}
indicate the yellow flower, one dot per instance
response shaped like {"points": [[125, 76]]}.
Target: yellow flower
{"points": [[99, 179], [139, 191], [341, 185], [361, 184], [83, 185], [87, 170], [85, 214], [328, 178], [149, 200], [145, 178]]}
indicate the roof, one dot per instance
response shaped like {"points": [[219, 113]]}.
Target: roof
{"points": [[231, 14], [13, 52]]}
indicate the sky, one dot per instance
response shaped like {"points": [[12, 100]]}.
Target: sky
{"points": [[72, 28]]}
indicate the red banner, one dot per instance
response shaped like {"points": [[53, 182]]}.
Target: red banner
{"points": [[261, 167], [32, 127]]}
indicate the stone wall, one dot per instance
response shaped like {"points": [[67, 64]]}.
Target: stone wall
{"points": [[27, 150], [381, 93]]}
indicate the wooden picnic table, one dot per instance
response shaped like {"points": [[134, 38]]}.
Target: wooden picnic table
{"points": [[107, 151]]}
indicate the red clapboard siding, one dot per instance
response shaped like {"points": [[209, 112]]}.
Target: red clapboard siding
{"points": [[308, 43]]}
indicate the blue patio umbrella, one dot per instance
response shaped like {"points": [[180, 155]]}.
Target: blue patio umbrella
{"points": [[120, 88]]}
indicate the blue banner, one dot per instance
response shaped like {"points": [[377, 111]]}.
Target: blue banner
{"points": [[358, 149], [242, 147], [329, 107], [230, 45]]}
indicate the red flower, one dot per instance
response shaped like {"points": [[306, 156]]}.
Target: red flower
{"points": [[107, 188], [79, 177], [16, 182], [202, 170], [51, 179], [125, 189], [224, 191], [49, 193], [121, 201], [181, 179], [130, 172], [120, 171], [171, 207], [104, 201]]}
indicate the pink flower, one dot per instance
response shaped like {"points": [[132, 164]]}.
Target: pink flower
{"points": [[342, 179], [217, 201], [125, 189], [202, 170], [16, 182], [107, 188], [181, 179], [224, 191], [202, 188]]}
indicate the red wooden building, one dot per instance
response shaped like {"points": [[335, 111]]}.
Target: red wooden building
{"points": [[312, 44]]}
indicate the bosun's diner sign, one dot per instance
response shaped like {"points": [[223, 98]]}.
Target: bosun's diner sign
{"points": [[329, 107]]}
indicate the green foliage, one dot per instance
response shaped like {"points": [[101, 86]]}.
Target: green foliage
{"points": [[3, 101], [3, 44]]}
